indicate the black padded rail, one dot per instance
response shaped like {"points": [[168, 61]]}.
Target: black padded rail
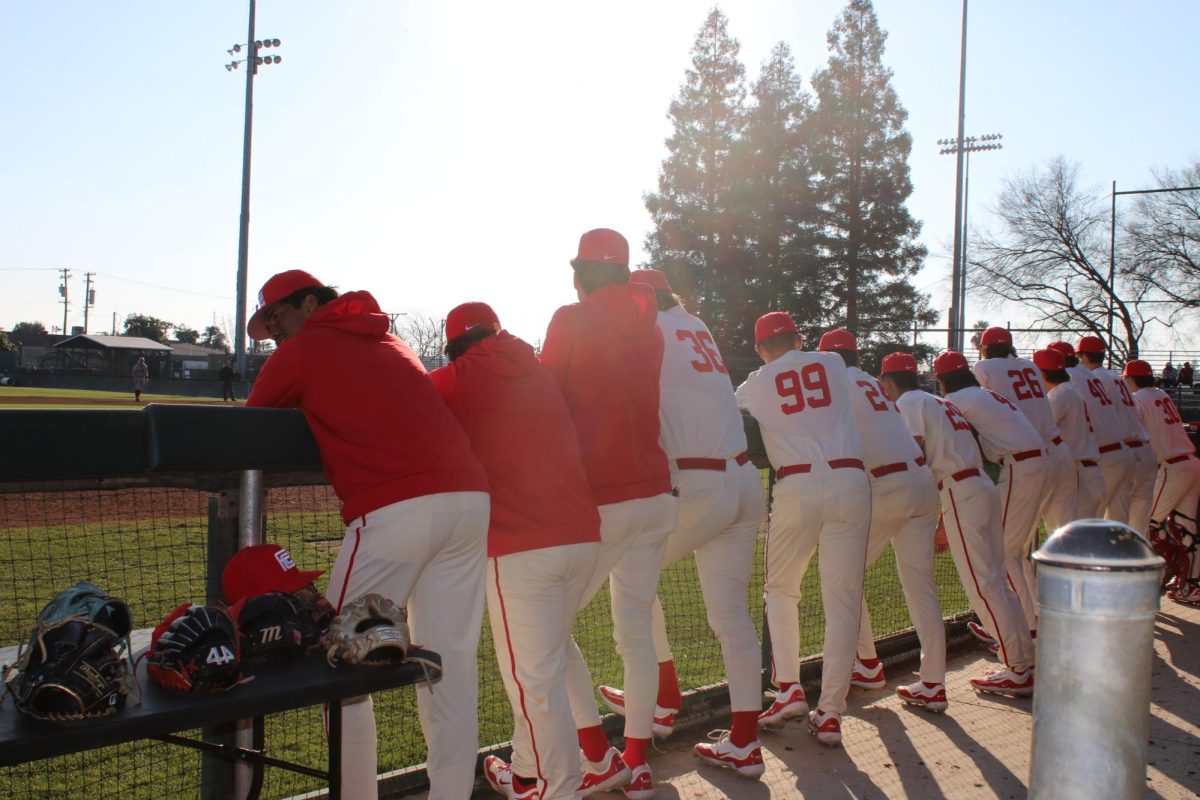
{"points": [[63, 443], [302, 683]]}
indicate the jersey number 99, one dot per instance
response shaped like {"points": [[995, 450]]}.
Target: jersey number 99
{"points": [[808, 388]]}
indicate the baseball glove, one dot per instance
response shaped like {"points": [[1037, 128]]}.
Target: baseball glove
{"points": [[1175, 545], [371, 631], [72, 669], [89, 601], [276, 627], [195, 649]]}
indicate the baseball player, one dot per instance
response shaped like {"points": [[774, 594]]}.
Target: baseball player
{"points": [[1019, 380], [904, 511], [1116, 460], [1177, 487], [721, 505], [606, 352], [414, 501], [971, 512], [542, 543], [1007, 438], [1141, 488], [1071, 417], [821, 497]]}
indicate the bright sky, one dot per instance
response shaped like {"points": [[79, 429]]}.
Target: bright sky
{"points": [[435, 153]]}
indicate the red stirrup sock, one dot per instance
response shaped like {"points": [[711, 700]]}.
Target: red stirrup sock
{"points": [[593, 742], [744, 729], [635, 751], [669, 695]]}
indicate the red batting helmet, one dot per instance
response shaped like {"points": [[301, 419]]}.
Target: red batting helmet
{"points": [[773, 323], [1137, 369], [995, 335], [949, 361], [1049, 359], [838, 339], [898, 362], [1090, 344]]}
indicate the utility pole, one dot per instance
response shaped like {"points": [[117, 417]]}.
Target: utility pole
{"points": [[66, 299], [89, 298]]}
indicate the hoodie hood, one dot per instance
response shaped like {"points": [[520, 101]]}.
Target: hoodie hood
{"points": [[356, 313], [631, 308], [502, 354]]}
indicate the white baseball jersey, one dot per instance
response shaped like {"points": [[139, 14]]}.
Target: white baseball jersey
{"points": [[1157, 412], [1020, 381], [1127, 414], [1071, 416], [1102, 413], [802, 404], [950, 446], [885, 439], [698, 416], [1002, 428]]}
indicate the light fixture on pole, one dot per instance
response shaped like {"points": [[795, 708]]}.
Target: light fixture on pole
{"points": [[970, 144], [253, 61]]}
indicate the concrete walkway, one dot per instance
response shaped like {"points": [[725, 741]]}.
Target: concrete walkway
{"points": [[978, 749]]}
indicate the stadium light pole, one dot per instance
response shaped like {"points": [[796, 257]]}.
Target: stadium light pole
{"points": [[953, 336], [252, 61], [971, 144]]}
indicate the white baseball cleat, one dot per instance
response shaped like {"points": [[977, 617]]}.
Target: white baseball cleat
{"points": [[865, 677], [784, 706], [745, 761], [641, 785], [980, 633], [499, 776], [664, 718], [603, 775], [925, 695], [826, 726], [1005, 681]]}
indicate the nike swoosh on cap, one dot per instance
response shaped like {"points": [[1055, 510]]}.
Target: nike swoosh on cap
{"points": [[609, 258], [780, 329]]}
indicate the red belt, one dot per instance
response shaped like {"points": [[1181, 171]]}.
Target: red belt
{"points": [[1134, 443], [1026, 454], [1056, 441], [1108, 448], [800, 469], [1088, 462], [714, 464], [962, 476], [1177, 459], [899, 466]]}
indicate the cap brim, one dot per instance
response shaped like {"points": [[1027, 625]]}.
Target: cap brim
{"points": [[257, 325], [294, 581]]}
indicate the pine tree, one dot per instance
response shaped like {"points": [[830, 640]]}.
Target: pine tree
{"points": [[696, 238], [868, 241]]}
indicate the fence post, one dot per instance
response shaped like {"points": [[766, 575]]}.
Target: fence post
{"points": [[1098, 593], [251, 522], [217, 774]]}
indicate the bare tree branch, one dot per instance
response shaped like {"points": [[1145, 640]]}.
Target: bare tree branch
{"points": [[424, 334]]}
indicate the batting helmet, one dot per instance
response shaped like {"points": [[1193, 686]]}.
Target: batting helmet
{"points": [[949, 361]]}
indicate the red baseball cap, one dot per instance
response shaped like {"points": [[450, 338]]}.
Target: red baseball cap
{"points": [[653, 278], [995, 335], [602, 246], [464, 317], [1049, 359], [1090, 344], [949, 361], [838, 339], [898, 362], [1138, 369], [773, 323], [262, 568], [1061, 347], [276, 288]]}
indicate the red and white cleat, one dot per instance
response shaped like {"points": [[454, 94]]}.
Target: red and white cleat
{"points": [[926, 695], [826, 726], [641, 786], [603, 775], [664, 718], [980, 633], [784, 706], [1188, 594], [1005, 681], [499, 776], [865, 677], [745, 761]]}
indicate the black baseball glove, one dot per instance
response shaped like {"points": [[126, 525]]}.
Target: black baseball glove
{"points": [[278, 626], [195, 649], [72, 669]]}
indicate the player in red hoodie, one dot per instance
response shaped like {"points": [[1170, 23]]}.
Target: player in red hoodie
{"points": [[414, 501], [605, 352], [542, 543]]}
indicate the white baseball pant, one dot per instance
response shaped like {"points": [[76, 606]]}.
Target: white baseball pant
{"points": [[633, 537], [1061, 504], [904, 511], [1091, 490], [430, 554], [830, 512], [971, 514], [1141, 490], [719, 517], [532, 598], [1178, 489], [1117, 466], [1022, 486]]}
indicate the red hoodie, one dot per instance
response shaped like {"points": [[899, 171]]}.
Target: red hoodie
{"points": [[522, 432], [384, 433], [605, 353]]}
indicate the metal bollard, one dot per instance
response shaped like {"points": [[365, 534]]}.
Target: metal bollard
{"points": [[1098, 585]]}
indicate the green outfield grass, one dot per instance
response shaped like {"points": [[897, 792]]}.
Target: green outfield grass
{"points": [[42, 398]]}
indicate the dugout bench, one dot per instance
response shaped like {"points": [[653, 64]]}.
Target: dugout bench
{"points": [[162, 713]]}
